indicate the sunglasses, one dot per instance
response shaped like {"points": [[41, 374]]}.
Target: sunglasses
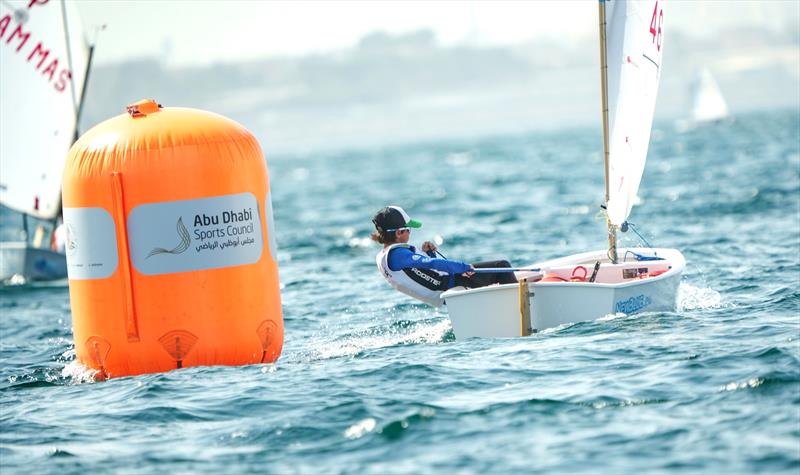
{"points": [[398, 229]]}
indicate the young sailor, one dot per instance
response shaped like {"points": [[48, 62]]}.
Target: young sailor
{"points": [[418, 272]]}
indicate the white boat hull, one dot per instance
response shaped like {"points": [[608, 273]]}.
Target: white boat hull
{"points": [[627, 287], [21, 261]]}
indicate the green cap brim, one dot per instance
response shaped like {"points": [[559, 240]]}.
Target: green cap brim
{"points": [[413, 224]]}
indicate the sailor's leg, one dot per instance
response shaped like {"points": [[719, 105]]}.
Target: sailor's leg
{"points": [[482, 280]]}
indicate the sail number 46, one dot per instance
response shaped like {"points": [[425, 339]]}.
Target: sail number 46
{"points": [[655, 25]]}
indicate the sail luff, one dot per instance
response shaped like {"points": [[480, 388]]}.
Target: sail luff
{"points": [[612, 233], [634, 51]]}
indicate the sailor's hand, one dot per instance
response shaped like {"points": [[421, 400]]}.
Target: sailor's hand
{"points": [[429, 246], [468, 274]]}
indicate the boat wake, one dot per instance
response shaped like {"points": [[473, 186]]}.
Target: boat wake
{"points": [[399, 333]]}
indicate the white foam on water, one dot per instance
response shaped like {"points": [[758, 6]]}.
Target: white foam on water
{"points": [[697, 298], [751, 383], [78, 373], [351, 346], [612, 316], [555, 329], [360, 428]]}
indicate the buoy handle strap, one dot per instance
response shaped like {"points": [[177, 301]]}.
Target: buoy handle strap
{"points": [[143, 108]]}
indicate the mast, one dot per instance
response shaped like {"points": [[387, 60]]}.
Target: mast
{"points": [[78, 103], [65, 25], [612, 232]]}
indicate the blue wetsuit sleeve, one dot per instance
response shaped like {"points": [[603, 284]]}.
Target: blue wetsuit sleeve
{"points": [[402, 258]]}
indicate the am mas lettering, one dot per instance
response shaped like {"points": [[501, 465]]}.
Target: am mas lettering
{"points": [[15, 37], [225, 224]]}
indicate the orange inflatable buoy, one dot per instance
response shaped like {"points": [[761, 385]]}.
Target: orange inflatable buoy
{"points": [[170, 244]]}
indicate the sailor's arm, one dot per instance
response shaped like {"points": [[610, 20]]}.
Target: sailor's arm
{"points": [[401, 258]]}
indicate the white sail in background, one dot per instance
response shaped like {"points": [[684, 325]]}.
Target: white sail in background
{"points": [[635, 43], [708, 104], [41, 80]]}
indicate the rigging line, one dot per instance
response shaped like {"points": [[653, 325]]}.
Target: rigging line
{"points": [[75, 105], [633, 227]]}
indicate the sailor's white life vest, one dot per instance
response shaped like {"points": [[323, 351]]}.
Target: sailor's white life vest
{"points": [[422, 284]]}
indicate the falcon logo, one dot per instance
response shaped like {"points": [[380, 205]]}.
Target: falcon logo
{"points": [[183, 234]]}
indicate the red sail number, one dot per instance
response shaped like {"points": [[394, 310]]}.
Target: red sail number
{"points": [[658, 15]]}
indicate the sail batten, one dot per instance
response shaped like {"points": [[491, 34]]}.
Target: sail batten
{"points": [[634, 49], [43, 58]]}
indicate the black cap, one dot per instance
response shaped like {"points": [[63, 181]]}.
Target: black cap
{"points": [[392, 218]]}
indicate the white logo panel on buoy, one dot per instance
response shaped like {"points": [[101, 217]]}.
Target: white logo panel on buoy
{"points": [[188, 235], [91, 243]]}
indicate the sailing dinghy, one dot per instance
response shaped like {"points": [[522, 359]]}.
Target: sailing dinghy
{"points": [[44, 63], [708, 104], [593, 284]]}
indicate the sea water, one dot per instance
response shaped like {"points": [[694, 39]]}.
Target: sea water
{"points": [[371, 381]]}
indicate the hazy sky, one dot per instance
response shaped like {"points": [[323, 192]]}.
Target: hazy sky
{"points": [[199, 32]]}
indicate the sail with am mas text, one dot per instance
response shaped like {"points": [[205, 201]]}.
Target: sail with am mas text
{"points": [[44, 62]]}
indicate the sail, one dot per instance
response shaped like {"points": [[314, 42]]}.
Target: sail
{"points": [[41, 79], [634, 47], [707, 102]]}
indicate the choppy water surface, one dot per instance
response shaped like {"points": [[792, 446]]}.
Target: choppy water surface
{"points": [[372, 382]]}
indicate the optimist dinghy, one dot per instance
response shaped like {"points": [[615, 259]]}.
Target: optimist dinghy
{"points": [[593, 284]]}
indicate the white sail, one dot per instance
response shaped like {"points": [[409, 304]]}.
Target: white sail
{"points": [[40, 86], [708, 104], [635, 43]]}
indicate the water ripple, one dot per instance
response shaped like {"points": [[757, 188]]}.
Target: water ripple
{"points": [[372, 382]]}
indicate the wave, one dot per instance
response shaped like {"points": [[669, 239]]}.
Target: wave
{"points": [[399, 333]]}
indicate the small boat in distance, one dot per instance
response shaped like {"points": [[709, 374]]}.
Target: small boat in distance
{"points": [[44, 68], [593, 284], [708, 104]]}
